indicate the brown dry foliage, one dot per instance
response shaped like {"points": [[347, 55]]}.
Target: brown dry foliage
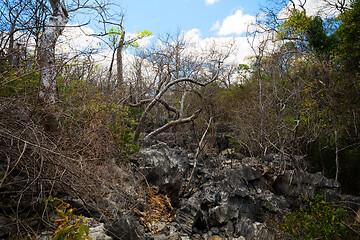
{"points": [[158, 208], [36, 165]]}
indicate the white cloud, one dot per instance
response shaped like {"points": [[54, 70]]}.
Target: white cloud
{"points": [[215, 26], [237, 23], [75, 39], [313, 7], [240, 46], [192, 36], [233, 50], [210, 2]]}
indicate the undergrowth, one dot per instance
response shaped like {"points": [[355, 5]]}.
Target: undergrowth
{"points": [[95, 128], [70, 226], [319, 219]]}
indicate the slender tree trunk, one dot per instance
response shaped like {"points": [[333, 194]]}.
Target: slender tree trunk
{"points": [[336, 151], [11, 45], [120, 74], [108, 87], [182, 105], [261, 112], [48, 39]]}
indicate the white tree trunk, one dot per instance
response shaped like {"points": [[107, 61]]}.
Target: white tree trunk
{"points": [[48, 39]]}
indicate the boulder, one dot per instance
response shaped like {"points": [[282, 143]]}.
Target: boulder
{"points": [[164, 168], [229, 198], [125, 227]]}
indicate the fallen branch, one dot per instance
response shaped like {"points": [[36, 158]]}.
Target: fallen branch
{"points": [[172, 124], [157, 98]]}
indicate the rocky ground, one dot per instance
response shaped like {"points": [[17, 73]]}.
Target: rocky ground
{"points": [[229, 197]]}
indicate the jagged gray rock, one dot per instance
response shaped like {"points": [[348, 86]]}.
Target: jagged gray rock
{"points": [[125, 227], [303, 184], [164, 168], [230, 198], [227, 196]]}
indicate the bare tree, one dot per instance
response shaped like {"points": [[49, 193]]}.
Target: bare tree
{"points": [[177, 68], [21, 21]]}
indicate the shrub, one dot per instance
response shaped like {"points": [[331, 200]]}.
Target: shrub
{"points": [[318, 219], [71, 226]]}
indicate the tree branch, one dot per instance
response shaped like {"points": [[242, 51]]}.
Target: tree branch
{"points": [[172, 124], [198, 151], [157, 98]]}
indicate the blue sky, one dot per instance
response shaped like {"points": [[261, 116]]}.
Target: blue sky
{"points": [[168, 16], [204, 23]]}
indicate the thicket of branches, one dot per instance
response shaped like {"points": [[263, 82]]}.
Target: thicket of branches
{"points": [[298, 97]]}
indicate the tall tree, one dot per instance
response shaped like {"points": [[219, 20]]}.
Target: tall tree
{"points": [[48, 71]]}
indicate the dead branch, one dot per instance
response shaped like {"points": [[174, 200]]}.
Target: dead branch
{"points": [[172, 124], [159, 95], [198, 151], [7, 173], [165, 104], [142, 102]]}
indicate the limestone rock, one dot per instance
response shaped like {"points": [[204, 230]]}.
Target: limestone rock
{"points": [[125, 227]]}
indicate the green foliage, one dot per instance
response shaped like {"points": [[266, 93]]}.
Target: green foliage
{"points": [[309, 29], [123, 130], [295, 27], [16, 83], [318, 219], [322, 55], [70, 226], [143, 34], [348, 50], [318, 39], [117, 33]]}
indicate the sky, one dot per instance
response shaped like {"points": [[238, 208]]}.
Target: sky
{"points": [[203, 22], [211, 17]]}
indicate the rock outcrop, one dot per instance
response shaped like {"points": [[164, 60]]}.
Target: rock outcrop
{"points": [[230, 198]]}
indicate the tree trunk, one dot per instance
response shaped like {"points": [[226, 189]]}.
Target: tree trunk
{"points": [[48, 39], [108, 87], [336, 151], [120, 75]]}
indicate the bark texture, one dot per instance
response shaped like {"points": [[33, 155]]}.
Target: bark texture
{"points": [[48, 70]]}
